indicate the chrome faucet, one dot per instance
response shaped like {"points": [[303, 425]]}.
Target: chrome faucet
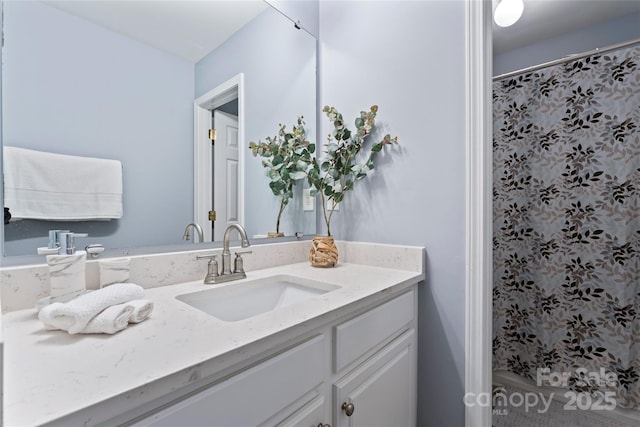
{"points": [[198, 229], [226, 255], [226, 275]]}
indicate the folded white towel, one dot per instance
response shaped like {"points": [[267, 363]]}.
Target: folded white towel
{"points": [[111, 320], [142, 309], [59, 187], [74, 315]]}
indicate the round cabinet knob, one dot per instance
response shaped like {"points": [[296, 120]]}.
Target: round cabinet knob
{"points": [[348, 408]]}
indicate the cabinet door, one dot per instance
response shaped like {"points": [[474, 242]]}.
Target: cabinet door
{"points": [[254, 397], [382, 389], [311, 415]]}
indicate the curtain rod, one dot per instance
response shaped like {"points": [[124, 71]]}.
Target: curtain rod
{"points": [[567, 58]]}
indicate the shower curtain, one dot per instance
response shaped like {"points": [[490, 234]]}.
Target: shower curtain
{"points": [[566, 236]]}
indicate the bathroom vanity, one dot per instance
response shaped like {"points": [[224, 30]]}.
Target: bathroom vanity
{"points": [[346, 356]]}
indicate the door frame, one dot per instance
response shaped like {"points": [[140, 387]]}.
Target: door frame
{"points": [[202, 151], [479, 213]]}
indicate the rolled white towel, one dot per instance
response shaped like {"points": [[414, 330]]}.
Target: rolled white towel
{"points": [[74, 315], [111, 320], [48, 316], [142, 309]]}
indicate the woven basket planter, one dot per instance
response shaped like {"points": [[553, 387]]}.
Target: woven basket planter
{"points": [[323, 252]]}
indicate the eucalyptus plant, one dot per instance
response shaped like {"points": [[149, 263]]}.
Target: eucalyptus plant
{"points": [[340, 168], [288, 157]]}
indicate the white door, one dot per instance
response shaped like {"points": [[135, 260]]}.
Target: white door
{"points": [[225, 172]]}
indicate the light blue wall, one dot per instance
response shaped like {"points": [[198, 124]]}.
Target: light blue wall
{"points": [[596, 36], [409, 58], [279, 66], [1, 186], [121, 100]]}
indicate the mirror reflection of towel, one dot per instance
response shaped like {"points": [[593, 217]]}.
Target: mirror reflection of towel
{"points": [[59, 187]]}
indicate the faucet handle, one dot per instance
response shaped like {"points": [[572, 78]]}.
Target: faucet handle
{"points": [[209, 257], [238, 266], [212, 268]]}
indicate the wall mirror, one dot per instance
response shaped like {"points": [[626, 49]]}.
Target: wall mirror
{"points": [[74, 84]]}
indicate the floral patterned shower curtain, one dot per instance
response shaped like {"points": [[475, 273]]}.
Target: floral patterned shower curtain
{"points": [[566, 236]]}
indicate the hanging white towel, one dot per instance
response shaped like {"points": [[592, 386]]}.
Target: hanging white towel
{"points": [[59, 187], [74, 315]]}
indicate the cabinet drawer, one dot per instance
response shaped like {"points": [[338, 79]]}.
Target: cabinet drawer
{"points": [[253, 396], [359, 335]]}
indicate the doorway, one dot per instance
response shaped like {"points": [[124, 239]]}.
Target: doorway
{"points": [[219, 177], [225, 162]]}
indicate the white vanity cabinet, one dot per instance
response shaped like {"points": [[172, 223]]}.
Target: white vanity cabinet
{"points": [[375, 361], [367, 360], [261, 395]]}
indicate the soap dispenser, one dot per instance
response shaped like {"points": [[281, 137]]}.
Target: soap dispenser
{"points": [[67, 271]]}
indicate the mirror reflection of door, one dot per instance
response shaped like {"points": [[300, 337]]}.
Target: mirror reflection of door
{"points": [[225, 169]]}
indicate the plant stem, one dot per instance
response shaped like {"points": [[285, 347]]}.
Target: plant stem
{"points": [[327, 221], [282, 206]]}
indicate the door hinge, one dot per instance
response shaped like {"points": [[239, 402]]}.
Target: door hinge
{"points": [[212, 134], [212, 215]]}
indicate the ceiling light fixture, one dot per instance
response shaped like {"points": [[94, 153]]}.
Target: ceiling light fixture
{"points": [[508, 12]]}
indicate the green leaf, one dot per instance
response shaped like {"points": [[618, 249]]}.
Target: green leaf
{"points": [[348, 182], [297, 175], [377, 147], [279, 185]]}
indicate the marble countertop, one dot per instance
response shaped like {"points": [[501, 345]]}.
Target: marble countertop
{"points": [[51, 375]]}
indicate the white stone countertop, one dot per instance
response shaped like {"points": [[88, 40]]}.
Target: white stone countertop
{"points": [[51, 376]]}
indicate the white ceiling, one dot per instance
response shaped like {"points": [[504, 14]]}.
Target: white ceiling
{"points": [[189, 29], [192, 28], [543, 19]]}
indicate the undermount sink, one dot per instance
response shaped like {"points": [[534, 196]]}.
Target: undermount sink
{"points": [[239, 301]]}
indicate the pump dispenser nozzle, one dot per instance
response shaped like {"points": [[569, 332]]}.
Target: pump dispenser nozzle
{"points": [[67, 242]]}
